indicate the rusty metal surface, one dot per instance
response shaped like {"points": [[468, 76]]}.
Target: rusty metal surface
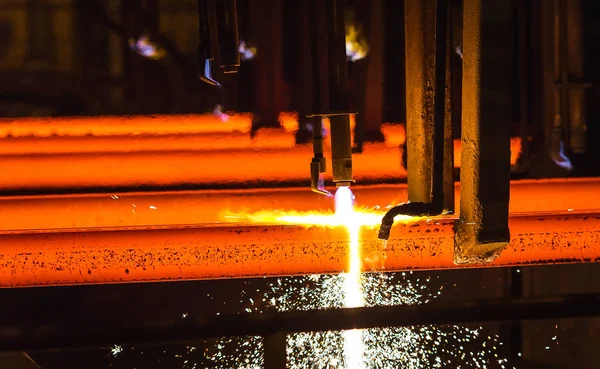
{"points": [[482, 230], [208, 252], [420, 18], [202, 207]]}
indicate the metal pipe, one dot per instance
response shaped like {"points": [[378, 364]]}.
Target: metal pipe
{"points": [[82, 330]]}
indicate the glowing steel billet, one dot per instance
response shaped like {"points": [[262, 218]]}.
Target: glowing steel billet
{"points": [[104, 152], [180, 253], [121, 125], [200, 207]]}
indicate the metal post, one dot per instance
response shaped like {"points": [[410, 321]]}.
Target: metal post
{"points": [[268, 85], [574, 70], [420, 80], [448, 158], [482, 229], [428, 128]]}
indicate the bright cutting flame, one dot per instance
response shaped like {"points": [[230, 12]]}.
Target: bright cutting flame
{"points": [[353, 292], [364, 218], [422, 347]]}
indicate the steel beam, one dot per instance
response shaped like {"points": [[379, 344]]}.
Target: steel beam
{"points": [[150, 209], [138, 254], [82, 329], [420, 22], [482, 230], [74, 154]]}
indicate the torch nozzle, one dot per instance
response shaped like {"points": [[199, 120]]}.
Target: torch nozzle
{"points": [[415, 209]]}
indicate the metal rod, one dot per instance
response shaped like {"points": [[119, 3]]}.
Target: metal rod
{"points": [[81, 329]]}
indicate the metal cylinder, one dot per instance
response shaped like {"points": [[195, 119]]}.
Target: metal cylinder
{"points": [[227, 34], [341, 150]]}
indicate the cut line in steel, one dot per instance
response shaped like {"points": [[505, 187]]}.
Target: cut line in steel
{"points": [[149, 209]]}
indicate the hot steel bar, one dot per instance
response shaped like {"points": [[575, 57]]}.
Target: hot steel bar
{"points": [[148, 209], [109, 152], [208, 252], [82, 329]]}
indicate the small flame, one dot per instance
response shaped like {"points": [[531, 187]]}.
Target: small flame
{"points": [[247, 52], [356, 45], [145, 47]]}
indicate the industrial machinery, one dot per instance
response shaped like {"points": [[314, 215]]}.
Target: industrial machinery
{"points": [[121, 199]]}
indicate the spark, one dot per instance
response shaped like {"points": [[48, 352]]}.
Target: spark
{"points": [[407, 347], [116, 350]]}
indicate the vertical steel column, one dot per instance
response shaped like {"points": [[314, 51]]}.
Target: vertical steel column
{"points": [[574, 71], [266, 19], [337, 87], [419, 20], [448, 159], [482, 229], [227, 34], [428, 128], [339, 99], [429, 124], [370, 15]]}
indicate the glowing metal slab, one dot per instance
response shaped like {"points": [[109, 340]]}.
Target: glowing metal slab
{"points": [[191, 252]]}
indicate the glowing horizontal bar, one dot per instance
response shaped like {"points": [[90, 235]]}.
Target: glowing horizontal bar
{"points": [[104, 152], [207, 252], [202, 207]]}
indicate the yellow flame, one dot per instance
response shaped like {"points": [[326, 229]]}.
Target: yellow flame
{"points": [[359, 218], [353, 220], [356, 45]]}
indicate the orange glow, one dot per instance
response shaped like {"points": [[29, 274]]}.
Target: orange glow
{"points": [[174, 150], [115, 237], [234, 251], [150, 209], [313, 218], [122, 126]]}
